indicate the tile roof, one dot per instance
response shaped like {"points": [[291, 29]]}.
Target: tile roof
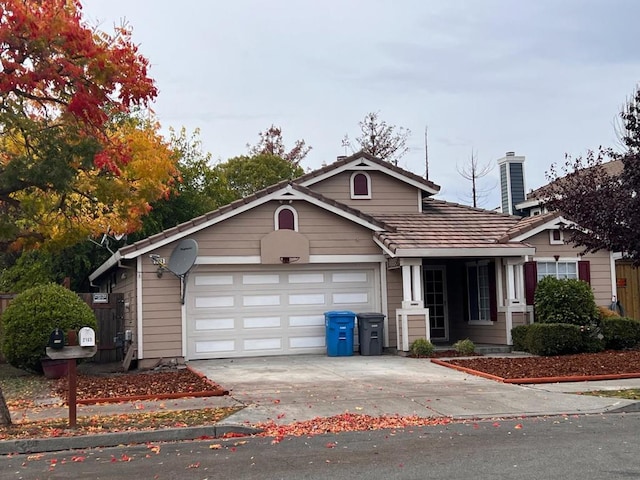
{"points": [[527, 224], [612, 168], [447, 225], [345, 160]]}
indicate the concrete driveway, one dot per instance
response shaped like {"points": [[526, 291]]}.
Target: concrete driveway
{"points": [[286, 389]]}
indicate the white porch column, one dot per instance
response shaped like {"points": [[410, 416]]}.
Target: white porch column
{"points": [[511, 283], [406, 283], [515, 293], [417, 283]]}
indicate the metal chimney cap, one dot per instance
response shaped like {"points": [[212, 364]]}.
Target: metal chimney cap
{"points": [[510, 154]]}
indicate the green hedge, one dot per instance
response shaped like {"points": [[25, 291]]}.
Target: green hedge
{"points": [[565, 301], [621, 333], [557, 338], [518, 334], [548, 338]]}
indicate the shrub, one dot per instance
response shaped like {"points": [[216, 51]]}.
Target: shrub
{"points": [[564, 301], [606, 312], [33, 315], [421, 347], [518, 335], [620, 333], [464, 347], [592, 338], [553, 339]]}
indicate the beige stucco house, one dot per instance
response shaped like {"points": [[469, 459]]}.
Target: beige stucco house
{"points": [[361, 235]]}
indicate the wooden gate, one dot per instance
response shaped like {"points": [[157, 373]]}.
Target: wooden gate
{"points": [[109, 311], [628, 288]]}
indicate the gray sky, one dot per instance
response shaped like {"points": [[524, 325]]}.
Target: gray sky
{"points": [[541, 78]]}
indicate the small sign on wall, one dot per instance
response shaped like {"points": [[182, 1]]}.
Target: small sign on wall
{"points": [[621, 282], [100, 298], [87, 337]]}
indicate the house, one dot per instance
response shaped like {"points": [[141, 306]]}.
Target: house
{"points": [[625, 278], [549, 232], [359, 234]]}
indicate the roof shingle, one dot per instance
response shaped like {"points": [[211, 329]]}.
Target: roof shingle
{"points": [[447, 225]]}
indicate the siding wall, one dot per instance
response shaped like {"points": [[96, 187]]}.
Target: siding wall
{"points": [[328, 233], [520, 318], [387, 193], [127, 286], [492, 334], [394, 302], [161, 310], [600, 264]]}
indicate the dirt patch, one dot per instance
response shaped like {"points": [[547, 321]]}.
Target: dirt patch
{"points": [[611, 362]]}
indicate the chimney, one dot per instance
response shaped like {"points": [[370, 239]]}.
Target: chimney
{"points": [[511, 182]]}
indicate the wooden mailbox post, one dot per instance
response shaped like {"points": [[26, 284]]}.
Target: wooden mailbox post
{"points": [[71, 353]]}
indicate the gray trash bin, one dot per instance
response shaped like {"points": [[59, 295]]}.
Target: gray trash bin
{"points": [[371, 333]]}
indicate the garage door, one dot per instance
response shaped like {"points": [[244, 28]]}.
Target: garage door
{"points": [[273, 311]]}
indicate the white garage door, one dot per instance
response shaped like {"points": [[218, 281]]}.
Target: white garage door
{"points": [[272, 311]]}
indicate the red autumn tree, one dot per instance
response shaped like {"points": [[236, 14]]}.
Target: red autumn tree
{"points": [[69, 154]]}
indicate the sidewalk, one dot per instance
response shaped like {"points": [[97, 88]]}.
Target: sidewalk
{"points": [[288, 389]]}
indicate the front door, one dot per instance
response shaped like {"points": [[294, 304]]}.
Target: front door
{"points": [[435, 299]]}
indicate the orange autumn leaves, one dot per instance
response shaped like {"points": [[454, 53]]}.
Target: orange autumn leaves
{"points": [[77, 156]]}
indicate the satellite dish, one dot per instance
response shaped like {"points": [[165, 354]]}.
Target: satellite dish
{"points": [[183, 257]]}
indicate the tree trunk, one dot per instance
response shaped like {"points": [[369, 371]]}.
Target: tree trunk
{"points": [[5, 416]]}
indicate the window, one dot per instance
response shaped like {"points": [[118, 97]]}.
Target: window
{"points": [[534, 271], [360, 185], [479, 292], [556, 237], [286, 218], [559, 270]]}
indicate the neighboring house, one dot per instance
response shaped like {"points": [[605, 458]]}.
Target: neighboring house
{"points": [[625, 278], [360, 234], [554, 254]]}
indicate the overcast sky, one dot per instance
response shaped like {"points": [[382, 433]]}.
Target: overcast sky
{"points": [[541, 78]]}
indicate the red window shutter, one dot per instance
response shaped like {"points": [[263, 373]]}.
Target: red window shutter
{"points": [[285, 219], [360, 184], [584, 271], [493, 299], [530, 281]]}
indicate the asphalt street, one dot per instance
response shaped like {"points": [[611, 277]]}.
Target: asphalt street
{"points": [[568, 447]]}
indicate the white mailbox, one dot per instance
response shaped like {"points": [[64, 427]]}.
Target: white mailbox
{"points": [[87, 337]]}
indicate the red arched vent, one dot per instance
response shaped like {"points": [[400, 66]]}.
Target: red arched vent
{"points": [[286, 219], [360, 185]]}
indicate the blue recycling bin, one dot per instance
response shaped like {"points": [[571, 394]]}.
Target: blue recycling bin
{"points": [[339, 327]]}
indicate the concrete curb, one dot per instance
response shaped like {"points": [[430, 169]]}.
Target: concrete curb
{"points": [[40, 445], [631, 408]]}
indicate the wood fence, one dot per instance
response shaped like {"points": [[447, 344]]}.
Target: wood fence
{"points": [[628, 288]]}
